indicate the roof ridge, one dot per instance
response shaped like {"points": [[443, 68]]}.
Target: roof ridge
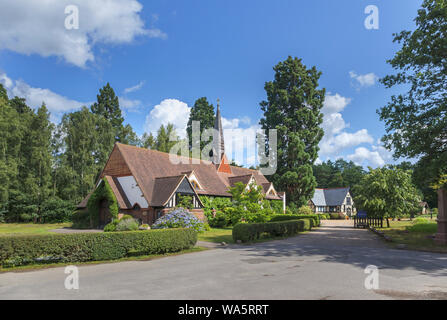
{"points": [[164, 153], [243, 175], [177, 176]]}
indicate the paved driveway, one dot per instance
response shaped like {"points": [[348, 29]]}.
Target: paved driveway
{"points": [[327, 263]]}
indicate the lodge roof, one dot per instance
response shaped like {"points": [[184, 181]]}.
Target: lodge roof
{"points": [[330, 196], [155, 173]]}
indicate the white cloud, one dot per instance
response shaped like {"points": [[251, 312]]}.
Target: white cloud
{"points": [[364, 156], [240, 142], [364, 80], [38, 27], [168, 111], [130, 104], [335, 103], [335, 139], [56, 103], [134, 88]]}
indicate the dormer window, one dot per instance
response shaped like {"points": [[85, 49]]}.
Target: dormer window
{"points": [[195, 185]]}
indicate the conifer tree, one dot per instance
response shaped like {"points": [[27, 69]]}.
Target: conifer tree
{"points": [[204, 112], [293, 107]]}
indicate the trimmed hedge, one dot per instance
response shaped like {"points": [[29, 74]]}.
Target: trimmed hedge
{"points": [[251, 231], [82, 247], [286, 217]]}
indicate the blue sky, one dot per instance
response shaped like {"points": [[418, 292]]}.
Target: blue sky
{"points": [[160, 56]]}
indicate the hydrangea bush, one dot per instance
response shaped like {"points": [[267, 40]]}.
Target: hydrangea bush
{"points": [[179, 218]]}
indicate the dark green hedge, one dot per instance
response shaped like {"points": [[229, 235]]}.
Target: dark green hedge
{"points": [[81, 247], [286, 217], [252, 231]]}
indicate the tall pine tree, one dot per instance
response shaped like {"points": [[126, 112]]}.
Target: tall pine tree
{"points": [[202, 111], [293, 107]]}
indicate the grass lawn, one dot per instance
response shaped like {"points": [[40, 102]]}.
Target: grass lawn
{"points": [[217, 235], [415, 236], [12, 229]]}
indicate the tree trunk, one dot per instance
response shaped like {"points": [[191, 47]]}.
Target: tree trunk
{"points": [[387, 222]]}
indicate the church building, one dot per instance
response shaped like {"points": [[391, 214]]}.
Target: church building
{"points": [[147, 183]]}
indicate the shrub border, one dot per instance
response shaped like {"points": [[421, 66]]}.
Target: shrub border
{"points": [[83, 247], [246, 232]]}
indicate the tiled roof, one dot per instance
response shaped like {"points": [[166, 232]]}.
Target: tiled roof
{"points": [[148, 166], [330, 197], [164, 187], [243, 179]]}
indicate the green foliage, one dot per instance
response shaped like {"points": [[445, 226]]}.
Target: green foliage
{"points": [[214, 210], [337, 174], [246, 232], [315, 219], [107, 107], [425, 227], [185, 202], [305, 210], [219, 220], [166, 138], [127, 225], [44, 168], [420, 220], [80, 247], [111, 227], [415, 121], [87, 142], [102, 192], [126, 216], [293, 107], [202, 111], [56, 210], [81, 219], [387, 192], [337, 216]]}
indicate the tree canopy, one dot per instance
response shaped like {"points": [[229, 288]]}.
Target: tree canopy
{"points": [[293, 108], [387, 192], [416, 121], [337, 174], [202, 111]]}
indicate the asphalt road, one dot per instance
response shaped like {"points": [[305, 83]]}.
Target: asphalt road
{"points": [[328, 263]]}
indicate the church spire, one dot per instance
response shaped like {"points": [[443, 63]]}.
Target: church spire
{"points": [[219, 145]]}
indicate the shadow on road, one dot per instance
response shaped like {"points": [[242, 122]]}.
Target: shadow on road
{"points": [[344, 244]]}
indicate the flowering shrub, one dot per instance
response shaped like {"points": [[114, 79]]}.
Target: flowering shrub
{"points": [[179, 218]]}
